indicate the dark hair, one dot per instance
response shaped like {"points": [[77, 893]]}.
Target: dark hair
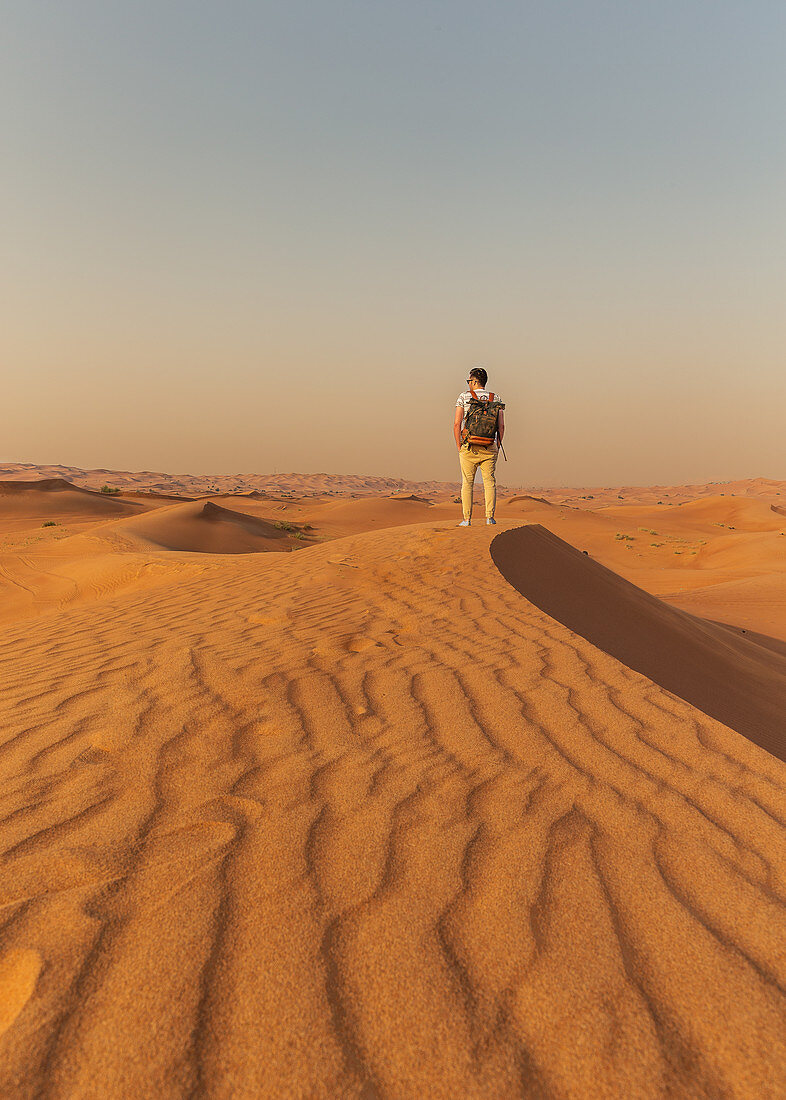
{"points": [[481, 375]]}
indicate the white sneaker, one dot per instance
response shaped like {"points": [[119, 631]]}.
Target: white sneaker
{"points": [[464, 523], [491, 522]]}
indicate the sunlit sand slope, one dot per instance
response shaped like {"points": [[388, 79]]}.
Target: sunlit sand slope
{"points": [[362, 821]]}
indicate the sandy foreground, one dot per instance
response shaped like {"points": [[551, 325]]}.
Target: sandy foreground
{"points": [[321, 796]]}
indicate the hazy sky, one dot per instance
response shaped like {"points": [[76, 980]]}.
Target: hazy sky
{"points": [[247, 236]]}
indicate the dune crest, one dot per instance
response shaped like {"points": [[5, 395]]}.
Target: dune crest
{"points": [[527, 498]]}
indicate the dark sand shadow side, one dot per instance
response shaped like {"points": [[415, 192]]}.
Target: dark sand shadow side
{"points": [[729, 675]]}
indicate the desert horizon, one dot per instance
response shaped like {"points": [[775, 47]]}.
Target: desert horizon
{"points": [[318, 483]]}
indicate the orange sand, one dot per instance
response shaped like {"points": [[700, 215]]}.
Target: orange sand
{"points": [[359, 813]]}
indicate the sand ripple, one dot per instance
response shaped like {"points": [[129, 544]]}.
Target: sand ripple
{"points": [[374, 825]]}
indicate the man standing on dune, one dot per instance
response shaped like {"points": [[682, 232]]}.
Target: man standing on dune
{"points": [[478, 424]]}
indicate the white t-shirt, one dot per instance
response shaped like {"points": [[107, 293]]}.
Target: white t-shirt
{"points": [[465, 398]]}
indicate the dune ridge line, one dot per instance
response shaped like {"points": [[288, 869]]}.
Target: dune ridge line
{"points": [[728, 676]]}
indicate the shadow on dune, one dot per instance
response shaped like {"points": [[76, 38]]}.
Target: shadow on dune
{"points": [[732, 676], [59, 497]]}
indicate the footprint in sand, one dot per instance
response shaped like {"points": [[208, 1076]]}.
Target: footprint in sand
{"points": [[19, 970]]}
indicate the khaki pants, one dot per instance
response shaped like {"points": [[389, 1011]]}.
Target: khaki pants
{"points": [[470, 458]]}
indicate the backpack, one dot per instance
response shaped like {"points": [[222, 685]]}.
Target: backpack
{"points": [[480, 421]]}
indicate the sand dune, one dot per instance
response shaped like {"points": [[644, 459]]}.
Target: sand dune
{"points": [[41, 485], [734, 513], [364, 821], [727, 675], [325, 484], [30, 502], [761, 488], [753, 603], [743, 514], [697, 558], [352, 516], [527, 499], [200, 484], [207, 528], [148, 496]]}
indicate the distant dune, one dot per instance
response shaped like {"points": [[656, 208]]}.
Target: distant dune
{"points": [[56, 499], [145, 496], [324, 484], [195, 485], [62, 491], [736, 513], [526, 498], [207, 529], [40, 485]]}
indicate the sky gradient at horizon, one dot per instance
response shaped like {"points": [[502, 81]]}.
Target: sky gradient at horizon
{"points": [[236, 235]]}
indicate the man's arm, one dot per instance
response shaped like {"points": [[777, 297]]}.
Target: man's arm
{"points": [[501, 425], [457, 426]]}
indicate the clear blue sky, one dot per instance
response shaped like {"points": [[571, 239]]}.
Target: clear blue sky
{"points": [[206, 206]]}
